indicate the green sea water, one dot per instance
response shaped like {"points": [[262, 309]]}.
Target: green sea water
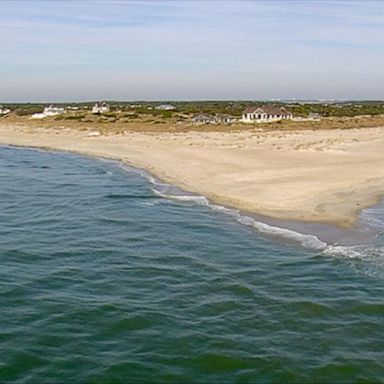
{"points": [[103, 280]]}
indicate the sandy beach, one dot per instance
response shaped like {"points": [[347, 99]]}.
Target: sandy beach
{"points": [[323, 176]]}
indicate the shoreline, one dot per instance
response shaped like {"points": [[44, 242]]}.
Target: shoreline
{"points": [[316, 236], [158, 154], [309, 234]]}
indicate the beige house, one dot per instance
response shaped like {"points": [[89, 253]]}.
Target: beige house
{"points": [[265, 114]]}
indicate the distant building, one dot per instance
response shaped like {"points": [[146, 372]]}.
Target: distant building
{"points": [[165, 107], [4, 111], [48, 111], [100, 107], [265, 114], [38, 116], [204, 118], [52, 111], [226, 119], [314, 116]]}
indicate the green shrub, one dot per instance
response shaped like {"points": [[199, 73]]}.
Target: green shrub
{"points": [[74, 117], [28, 111], [109, 114]]}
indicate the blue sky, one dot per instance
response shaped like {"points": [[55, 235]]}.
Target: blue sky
{"points": [[176, 50]]}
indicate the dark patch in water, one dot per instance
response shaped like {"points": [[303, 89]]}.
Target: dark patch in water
{"points": [[131, 196]]}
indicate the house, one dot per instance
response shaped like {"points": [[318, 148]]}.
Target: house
{"points": [[204, 118], [52, 111], [264, 114], [165, 107], [226, 119], [314, 116], [100, 107], [48, 111], [4, 111]]}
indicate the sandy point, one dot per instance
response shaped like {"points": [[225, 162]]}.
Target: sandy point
{"points": [[324, 176]]}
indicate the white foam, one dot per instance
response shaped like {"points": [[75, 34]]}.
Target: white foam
{"points": [[356, 251], [201, 200], [350, 252], [366, 259], [308, 241]]}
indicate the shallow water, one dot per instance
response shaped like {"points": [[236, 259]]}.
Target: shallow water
{"points": [[104, 280]]}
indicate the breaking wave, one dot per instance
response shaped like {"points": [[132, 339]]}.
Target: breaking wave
{"points": [[372, 217]]}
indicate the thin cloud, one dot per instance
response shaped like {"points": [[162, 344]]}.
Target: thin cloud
{"points": [[212, 48]]}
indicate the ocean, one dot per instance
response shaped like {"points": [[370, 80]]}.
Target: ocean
{"points": [[108, 275]]}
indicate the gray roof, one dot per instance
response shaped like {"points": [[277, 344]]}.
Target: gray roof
{"points": [[268, 109]]}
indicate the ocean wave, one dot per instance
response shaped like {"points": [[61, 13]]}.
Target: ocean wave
{"points": [[366, 259], [356, 252], [308, 241], [201, 200], [168, 191], [373, 216]]}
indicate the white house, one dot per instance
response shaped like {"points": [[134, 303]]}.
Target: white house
{"points": [[4, 111], [48, 111], [53, 111], [265, 114], [165, 107], [101, 107]]}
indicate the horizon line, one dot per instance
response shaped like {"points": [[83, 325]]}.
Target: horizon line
{"points": [[193, 100]]}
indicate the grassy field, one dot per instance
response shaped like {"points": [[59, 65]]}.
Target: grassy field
{"points": [[119, 123], [235, 108]]}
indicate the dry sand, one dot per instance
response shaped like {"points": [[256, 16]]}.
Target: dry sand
{"points": [[323, 176]]}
